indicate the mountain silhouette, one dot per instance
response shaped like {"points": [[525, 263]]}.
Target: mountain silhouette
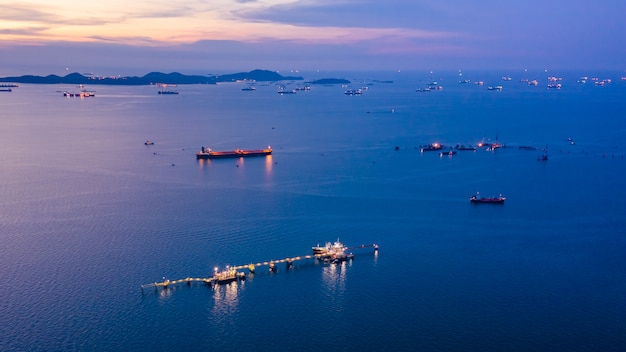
{"points": [[151, 78]]}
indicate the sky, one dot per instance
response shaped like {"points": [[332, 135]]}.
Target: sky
{"points": [[225, 36]]}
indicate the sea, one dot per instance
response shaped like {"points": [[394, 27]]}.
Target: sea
{"points": [[89, 213]]}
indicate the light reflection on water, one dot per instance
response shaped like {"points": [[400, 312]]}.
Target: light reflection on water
{"points": [[334, 276], [268, 165], [165, 293], [242, 170], [225, 297]]}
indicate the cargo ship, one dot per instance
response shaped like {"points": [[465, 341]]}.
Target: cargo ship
{"points": [[493, 200], [208, 153], [432, 147], [83, 94]]}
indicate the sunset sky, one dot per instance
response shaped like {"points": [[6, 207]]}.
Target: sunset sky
{"points": [[202, 36]]}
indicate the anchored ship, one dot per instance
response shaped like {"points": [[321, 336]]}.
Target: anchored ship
{"points": [[208, 153], [493, 200], [432, 147]]}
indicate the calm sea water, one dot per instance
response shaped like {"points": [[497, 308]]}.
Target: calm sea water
{"points": [[88, 214]]}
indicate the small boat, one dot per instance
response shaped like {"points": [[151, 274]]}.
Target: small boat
{"points": [[148, 142], [527, 147], [6, 90], [475, 199], [449, 153], [208, 153], [283, 90], [353, 92], [168, 92], [249, 89], [495, 88]]}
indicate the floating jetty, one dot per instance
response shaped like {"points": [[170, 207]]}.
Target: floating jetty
{"points": [[208, 153], [330, 253]]}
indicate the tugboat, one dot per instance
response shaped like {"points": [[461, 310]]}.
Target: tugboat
{"points": [[475, 199]]}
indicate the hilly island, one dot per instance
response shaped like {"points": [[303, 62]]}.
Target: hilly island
{"points": [[151, 78]]}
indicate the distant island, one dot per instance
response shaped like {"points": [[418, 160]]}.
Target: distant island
{"points": [[330, 81], [151, 78]]}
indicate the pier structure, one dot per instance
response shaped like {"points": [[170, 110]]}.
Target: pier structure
{"points": [[231, 273]]}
